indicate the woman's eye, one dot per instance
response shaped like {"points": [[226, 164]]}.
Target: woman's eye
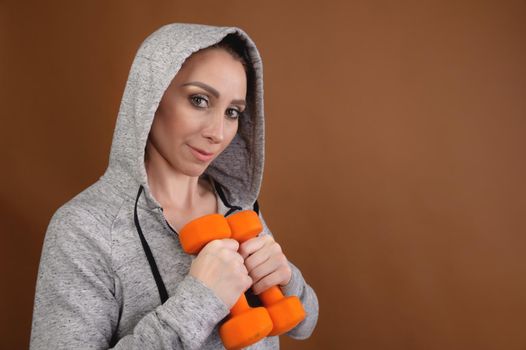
{"points": [[233, 113], [199, 101]]}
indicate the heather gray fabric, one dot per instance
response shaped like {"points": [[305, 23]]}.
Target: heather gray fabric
{"points": [[95, 288]]}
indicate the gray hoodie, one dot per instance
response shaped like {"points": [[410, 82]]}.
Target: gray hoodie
{"points": [[96, 287]]}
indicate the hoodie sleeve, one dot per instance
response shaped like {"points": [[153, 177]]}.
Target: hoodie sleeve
{"points": [[75, 305], [298, 287]]}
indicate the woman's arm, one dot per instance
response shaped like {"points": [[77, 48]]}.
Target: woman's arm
{"points": [[75, 304]]}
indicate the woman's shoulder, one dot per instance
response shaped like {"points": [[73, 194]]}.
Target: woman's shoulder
{"points": [[89, 213], [77, 243]]}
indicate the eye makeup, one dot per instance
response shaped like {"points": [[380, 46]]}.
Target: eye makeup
{"points": [[213, 91]]}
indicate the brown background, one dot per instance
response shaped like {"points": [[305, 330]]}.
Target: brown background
{"points": [[395, 160]]}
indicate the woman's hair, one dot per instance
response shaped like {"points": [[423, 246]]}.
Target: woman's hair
{"points": [[233, 45]]}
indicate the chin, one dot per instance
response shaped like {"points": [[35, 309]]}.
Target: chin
{"points": [[195, 170]]}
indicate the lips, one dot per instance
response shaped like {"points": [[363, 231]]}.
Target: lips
{"points": [[201, 155], [202, 152]]}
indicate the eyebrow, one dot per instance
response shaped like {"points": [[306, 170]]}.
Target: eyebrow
{"points": [[212, 91]]}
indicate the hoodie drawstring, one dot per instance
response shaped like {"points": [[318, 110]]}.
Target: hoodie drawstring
{"points": [[232, 208], [153, 266]]}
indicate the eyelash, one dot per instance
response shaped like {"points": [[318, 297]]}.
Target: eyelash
{"points": [[193, 99]]}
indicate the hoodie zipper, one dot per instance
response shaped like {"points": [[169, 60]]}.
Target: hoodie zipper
{"points": [[166, 223]]}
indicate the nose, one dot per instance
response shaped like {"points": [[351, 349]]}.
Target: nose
{"points": [[215, 128]]}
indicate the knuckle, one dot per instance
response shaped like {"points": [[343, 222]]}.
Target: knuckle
{"points": [[213, 245], [264, 285], [256, 275], [238, 270], [242, 250], [224, 254], [235, 244], [242, 284], [248, 265], [287, 267], [284, 275], [267, 238]]}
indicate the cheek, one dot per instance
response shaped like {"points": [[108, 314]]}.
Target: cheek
{"points": [[232, 131], [179, 124]]}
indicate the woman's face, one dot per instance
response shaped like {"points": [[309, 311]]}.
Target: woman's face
{"points": [[197, 117]]}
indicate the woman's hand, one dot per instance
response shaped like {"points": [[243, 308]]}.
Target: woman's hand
{"points": [[265, 262], [220, 267]]}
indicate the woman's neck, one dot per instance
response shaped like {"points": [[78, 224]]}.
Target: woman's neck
{"points": [[172, 189]]}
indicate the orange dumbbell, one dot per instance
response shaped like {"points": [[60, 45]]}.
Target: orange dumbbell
{"points": [[246, 325], [285, 312]]}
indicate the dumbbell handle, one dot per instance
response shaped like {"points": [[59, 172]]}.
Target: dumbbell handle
{"points": [[240, 306], [271, 295]]}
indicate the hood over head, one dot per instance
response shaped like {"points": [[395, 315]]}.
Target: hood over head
{"points": [[239, 169]]}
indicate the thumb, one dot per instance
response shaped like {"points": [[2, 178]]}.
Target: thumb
{"points": [[231, 244]]}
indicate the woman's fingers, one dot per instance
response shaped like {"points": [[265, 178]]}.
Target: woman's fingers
{"points": [[256, 259], [267, 248], [265, 268], [265, 262], [253, 245], [281, 276]]}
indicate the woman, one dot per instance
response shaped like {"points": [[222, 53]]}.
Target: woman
{"points": [[189, 141]]}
